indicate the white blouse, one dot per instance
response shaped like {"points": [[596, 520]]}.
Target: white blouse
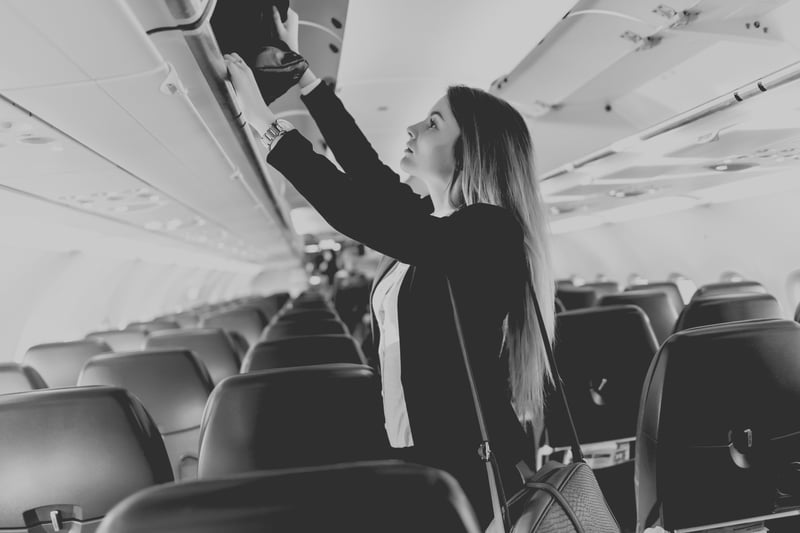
{"points": [[384, 304]]}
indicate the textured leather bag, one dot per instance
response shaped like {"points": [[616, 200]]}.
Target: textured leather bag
{"points": [[558, 498], [248, 28]]}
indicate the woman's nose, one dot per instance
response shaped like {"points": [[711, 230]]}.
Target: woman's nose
{"points": [[411, 132]]}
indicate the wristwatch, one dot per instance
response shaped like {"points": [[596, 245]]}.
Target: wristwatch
{"points": [[275, 131]]}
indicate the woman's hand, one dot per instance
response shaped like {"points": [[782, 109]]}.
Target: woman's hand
{"points": [[288, 31], [255, 111]]}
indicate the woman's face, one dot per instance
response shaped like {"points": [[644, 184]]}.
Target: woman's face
{"points": [[429, 151]]}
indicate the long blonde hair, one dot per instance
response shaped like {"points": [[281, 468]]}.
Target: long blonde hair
{"points": [[494, 165]]}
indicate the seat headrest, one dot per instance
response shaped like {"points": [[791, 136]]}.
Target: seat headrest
{"points": [[603, 287], [577, 297], [84, 447], [172, 384], [299, 328], [390, 497], [303, 351], [669, 287], [718, 417], [248, 321], [730, 287], [59, 363], [19, 378], [655, 304], [214, 347], [719, 308], [120, 340], [603, 354], [154, 325], [308, 314], [292, 417]]}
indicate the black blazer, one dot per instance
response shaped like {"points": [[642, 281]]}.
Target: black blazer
{"points": [[479, 247]]}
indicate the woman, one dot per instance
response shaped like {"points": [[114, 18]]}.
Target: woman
{"points": [[483, 227]]}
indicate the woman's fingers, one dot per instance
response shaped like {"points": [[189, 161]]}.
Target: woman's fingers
{"points": [[276, 15]]}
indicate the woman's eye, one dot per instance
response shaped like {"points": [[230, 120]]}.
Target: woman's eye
{"points": [[431, 123]]}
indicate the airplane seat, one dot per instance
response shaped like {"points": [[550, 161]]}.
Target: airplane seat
{"points": [[307, 314], [214, 347], [309, 304], [249, 322], [654, 303], [577, 297], [67, 456], [15, 377], [719, 308], [303, 351], [300, 328], [173, 385], [365, 497], [603, 355], [729, 287], [603, 287], [187, 319], [60, 363], [718, 438], [669, 287], [292, 417], [154, 325], [120, 340], [240, 343], [797, 313], [559, 306]]}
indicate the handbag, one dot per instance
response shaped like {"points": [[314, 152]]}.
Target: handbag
{"points": [[248, 28], [556, 498]]}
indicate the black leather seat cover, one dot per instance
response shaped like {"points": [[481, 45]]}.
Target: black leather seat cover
{"points": [[577, 297], [19, 378], [669, 287], [292, 417], [708, 388], [214, 347], [299, 328], [88, 447], [247, 321], [368, 497], [303, 351], [59, 363], [655, 304], [173, 385], [603, 355], [603, 287], [120, 340], [730, 287], [719, 308]]}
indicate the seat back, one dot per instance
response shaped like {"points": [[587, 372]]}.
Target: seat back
{"points": [[214, 347], [303, 351], [729, 287], [669, 287], [154, 325], [69, 455], [603, 287], [249, 322], [718, 436], [292, 417], [18, 378], [577, 297], [60, 363], [603, 355], [172, 385], [284, 329], [719, 308], [655, 304], [307, 314], [120, 340], [386, 496]]}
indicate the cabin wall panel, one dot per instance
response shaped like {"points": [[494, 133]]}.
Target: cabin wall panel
{"points": [[757, 237]]}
